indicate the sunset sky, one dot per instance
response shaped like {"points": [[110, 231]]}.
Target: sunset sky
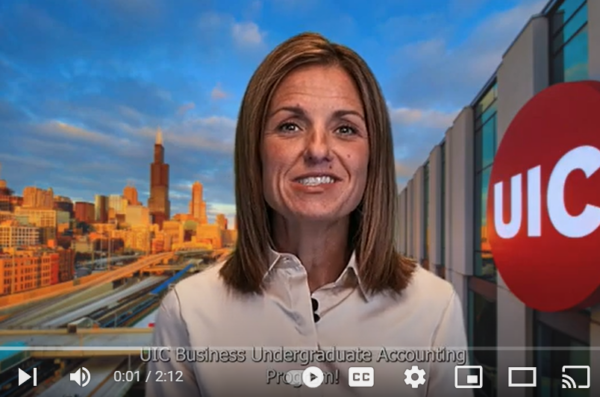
{"points": [[84, 85]]}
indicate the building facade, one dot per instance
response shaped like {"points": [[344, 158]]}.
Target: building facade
{"points": [[47, 220], [158, 203], [131, 195], [34, 197], [197, 204], [117, 203], [65, 204], [100, 208], [442, 209], [85, 212], [23, 270], [137, 215], [14, 235]]}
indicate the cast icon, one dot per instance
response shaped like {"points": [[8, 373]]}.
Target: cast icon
{"points": [[569, 383]]}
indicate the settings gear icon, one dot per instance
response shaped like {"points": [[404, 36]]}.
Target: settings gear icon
{"points": [[409, 377]]}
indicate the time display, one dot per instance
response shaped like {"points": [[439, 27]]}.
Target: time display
{"points": [[149, 376]]}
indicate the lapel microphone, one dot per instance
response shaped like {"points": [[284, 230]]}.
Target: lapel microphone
{"points": [[315, 307]]}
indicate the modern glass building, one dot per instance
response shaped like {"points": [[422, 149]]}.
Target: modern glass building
{"points": [[443, 210]]}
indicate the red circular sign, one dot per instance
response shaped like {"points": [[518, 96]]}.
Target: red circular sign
{"points": [[543, 208]]}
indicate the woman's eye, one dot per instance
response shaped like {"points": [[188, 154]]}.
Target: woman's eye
{"points": [[346, 130], [288, 127]]}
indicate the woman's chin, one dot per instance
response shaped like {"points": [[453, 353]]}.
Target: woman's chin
{"points": [[317, 215]]}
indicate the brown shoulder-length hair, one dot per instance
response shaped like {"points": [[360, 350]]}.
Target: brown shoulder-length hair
{"points": [[372, 228]]}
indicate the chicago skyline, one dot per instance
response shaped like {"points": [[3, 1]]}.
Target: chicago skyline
{"points": [[102, 204], [79, 115]]}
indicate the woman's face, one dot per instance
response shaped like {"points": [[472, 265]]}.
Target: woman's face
{"points": [[315, 148]]}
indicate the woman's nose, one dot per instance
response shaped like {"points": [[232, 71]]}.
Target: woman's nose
{"points": [[318, 146]]}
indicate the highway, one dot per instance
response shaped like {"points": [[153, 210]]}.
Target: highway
{"points": [[104, 302], [101, 326], [97, 281]]}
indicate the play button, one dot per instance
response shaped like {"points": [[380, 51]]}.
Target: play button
{"points": [[23, 376], [312, 377]]}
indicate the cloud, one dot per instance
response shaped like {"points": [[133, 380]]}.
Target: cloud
{"points": [[403, 171], [416, 132], [183, 109], [218, 93], [215, 134], [435, 73], [436, 79], [423, 117], [244, 35], [294, 5], [27, 161], [407, 28], [68, 131], [10, 113], [218, 208], [247, 34]]}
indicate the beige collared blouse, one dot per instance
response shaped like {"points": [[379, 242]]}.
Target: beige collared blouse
{"points": [[222, 344]]}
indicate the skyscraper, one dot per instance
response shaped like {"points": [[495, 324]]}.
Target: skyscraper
{"points": [[221, 220], [158, 203], [34, 197], [101, 207], [131, 194], [197, 204]]}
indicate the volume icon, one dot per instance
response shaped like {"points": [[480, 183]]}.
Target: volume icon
{"points": [[81, 377]]}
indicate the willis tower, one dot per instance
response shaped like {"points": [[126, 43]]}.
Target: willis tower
{"points": [[158, 203]]}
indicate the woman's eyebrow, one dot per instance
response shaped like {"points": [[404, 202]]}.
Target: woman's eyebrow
{"points": [[300, 112]]}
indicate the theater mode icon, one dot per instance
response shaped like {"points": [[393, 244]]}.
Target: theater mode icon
{"points": [[468, 376], [569, 383], [522, 376]]}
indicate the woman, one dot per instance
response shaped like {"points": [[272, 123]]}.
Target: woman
{"points": [[315, 265]]}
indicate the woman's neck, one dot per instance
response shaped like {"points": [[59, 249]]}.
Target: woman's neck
{"points": [[321, 247]]}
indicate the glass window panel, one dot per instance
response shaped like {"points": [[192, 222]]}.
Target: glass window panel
{"points": [[478, 220], [570, 29], [426, 211], [485, 268], [563, 13], [488, 142], [478, 151], [483, 195], [571, 63], [487, 100], [576, 57], [484, 261], [443, 217], [482, 337], [489, 112]]}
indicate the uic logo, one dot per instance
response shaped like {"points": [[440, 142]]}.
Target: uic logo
{"points": [[543, 212]]}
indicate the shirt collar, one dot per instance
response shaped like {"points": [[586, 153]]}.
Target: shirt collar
{"points": [[350, 275]]}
